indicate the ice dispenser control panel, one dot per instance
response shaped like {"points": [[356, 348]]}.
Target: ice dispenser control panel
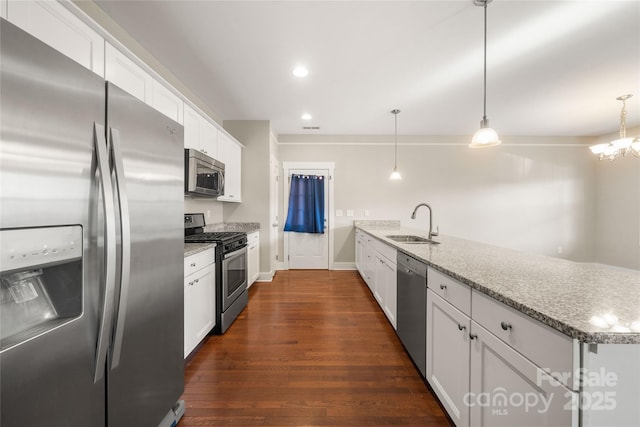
{"points": [[25, 247]]}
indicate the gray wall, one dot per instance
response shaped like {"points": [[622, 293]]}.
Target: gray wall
{"points": [[533, 194], [255, 135], [618, 209]]}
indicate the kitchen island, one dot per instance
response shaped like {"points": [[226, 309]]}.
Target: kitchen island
{"points": [[518, 322]]}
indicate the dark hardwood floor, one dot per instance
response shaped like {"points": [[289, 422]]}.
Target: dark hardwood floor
{"points": [[311, 349]]}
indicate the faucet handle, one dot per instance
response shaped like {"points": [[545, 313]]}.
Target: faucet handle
{"points": [[435, 233]]}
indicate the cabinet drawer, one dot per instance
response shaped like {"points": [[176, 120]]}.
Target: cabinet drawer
{"points": [[253, 237], [549, 349], [199, 261], [386, 251], [455, 293]]}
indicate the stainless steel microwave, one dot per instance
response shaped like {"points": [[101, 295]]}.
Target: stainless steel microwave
{"points": [[203, 175]]}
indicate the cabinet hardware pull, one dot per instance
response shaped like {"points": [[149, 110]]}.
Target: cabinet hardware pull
{"points": [[197, 280], [473, 336], [505, 325], [191, 283], [461, 327], [193, 264], [443, 287]]}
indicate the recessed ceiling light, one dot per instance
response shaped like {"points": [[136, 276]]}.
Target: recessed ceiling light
{"points": [[300, 71], [306, 116]]}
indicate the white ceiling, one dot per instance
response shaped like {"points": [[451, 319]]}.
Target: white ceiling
{"points": [[554, 67]]}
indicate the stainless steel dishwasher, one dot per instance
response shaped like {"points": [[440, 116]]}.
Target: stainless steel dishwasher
{"points": [[412, 308]]}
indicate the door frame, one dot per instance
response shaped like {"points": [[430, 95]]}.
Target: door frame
{"points": [[287, 167]]}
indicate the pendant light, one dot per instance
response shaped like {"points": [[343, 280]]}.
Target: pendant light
{"points": [[485, 136], [395, 175], [622, 145]]}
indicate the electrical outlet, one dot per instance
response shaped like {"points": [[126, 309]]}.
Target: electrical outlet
{"points": [[339, 212], [560, 250], [349, 212], [366, 212], [208, 214]]}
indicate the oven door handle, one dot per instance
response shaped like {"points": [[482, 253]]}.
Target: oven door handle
{"points": [[235, 253]]}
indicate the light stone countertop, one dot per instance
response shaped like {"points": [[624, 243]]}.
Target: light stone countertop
{"points": [[194, 248], [247, 227], [568, 296]]}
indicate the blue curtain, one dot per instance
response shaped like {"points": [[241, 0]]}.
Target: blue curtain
{"points": [[306, 204]]}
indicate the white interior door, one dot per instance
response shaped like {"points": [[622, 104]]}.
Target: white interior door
{"points": [[309, 250]]}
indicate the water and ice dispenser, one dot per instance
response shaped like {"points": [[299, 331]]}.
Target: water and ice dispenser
{"points": [[40, 281]]}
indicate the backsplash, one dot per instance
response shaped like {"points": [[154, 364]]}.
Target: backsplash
{"points": [[212, 209]]}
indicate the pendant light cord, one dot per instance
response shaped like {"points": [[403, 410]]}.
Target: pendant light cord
{"points": [[484, 108], [395, 156]]}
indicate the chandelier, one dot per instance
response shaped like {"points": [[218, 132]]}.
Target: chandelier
{"points": [[621, 146]]}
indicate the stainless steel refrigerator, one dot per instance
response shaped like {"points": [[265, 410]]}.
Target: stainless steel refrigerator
{"points": [[91, 238]]}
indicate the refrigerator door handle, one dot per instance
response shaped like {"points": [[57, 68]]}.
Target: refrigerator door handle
{"points": [[125, 227], [106, 321]]}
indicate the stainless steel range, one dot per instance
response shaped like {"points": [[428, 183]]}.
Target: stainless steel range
{"points": [[232, 295]]}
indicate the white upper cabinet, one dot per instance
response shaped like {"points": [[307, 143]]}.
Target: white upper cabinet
{"points": [[230, 153], [132, 78], [165, 101], [52, 23], [199, 133], [127, 75]]}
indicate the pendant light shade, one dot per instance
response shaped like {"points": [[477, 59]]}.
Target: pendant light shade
{"points": [[395, 175], [485, 136]]}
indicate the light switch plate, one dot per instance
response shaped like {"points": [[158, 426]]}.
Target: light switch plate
{"points": [[339, 212], [349, 212]]}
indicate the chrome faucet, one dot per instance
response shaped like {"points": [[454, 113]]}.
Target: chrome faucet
{"points": [[431, 234]]}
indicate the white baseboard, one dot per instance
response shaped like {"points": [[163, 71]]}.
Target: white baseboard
{"points": [[266, 276], [344, 266], [336, 266]]}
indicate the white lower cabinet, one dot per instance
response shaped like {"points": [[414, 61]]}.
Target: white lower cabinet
{"points": [[506, 389], [360, 252], [386, 286], [489, 365], [376, 263], [199, 298], [448, 356], [253, 257], [369, 262]]}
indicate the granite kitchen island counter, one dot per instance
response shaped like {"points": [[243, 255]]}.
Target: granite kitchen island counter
{"points": [[589, 302]]}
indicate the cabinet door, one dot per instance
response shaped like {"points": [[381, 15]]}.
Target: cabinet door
{"points": [[379, 286], [126, 74], [230, 154], [53, 24], [391, 292], [199, 310], [191, 123], [358, 255], [209, 138], [253, 257], [165, 101], [448, 356], [508, 390], [189, 301], [368, 261]]}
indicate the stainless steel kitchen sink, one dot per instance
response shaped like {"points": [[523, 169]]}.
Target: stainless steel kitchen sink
{"points": [[411, 239]]}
